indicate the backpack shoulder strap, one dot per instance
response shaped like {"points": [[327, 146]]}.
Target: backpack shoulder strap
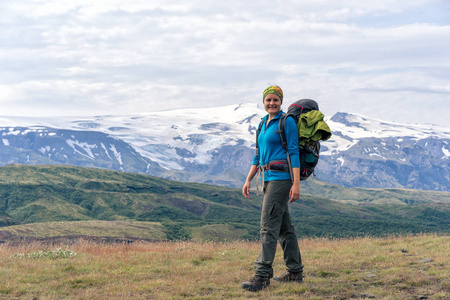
{"points": [[281, 132], [257, 135]]}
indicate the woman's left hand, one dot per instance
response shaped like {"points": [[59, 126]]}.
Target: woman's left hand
{"points": [[294, 194]]}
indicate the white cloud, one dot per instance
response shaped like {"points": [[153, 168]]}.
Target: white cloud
{"points": [[107, 57]]}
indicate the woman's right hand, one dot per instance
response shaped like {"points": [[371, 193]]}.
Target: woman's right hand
{"points": [[246, 190]]}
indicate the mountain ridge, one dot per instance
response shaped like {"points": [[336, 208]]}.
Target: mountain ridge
{"points": [[216, 145]]}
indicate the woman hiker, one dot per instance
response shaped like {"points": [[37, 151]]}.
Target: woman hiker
{"points": [[279, 189]]}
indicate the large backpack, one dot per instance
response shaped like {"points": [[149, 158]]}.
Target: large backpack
{"points": [[309, 152]]}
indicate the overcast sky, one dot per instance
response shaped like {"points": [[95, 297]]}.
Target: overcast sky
{"points": [[387, 59]]}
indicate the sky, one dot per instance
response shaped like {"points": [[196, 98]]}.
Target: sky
{"points": [[385, 59]]}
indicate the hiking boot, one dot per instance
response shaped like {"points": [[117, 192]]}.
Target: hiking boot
{"points": [[290, 277], [256, 283]]}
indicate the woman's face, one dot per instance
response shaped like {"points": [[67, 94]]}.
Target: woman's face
{"points": [[272, 104]]}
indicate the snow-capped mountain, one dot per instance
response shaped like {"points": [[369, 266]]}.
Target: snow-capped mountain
{"points": [[45, 145], [365, 152], [216, 145]]}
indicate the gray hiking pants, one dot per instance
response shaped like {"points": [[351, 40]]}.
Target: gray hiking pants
{"points": [[276, 225]]}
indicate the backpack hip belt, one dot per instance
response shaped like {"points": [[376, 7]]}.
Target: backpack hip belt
{"points": [[277, 165], [282, 165]]}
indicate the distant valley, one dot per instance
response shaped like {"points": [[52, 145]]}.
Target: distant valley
{"points": [[62, 201]]}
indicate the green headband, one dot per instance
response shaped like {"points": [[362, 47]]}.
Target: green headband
{"points": [[273, 89]]}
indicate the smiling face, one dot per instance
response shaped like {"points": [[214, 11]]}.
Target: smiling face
{"points": [[272, 104]]}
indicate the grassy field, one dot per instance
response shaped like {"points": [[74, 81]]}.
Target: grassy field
{"points": [[411, 267]]}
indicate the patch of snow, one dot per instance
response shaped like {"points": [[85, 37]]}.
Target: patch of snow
{"points": [[85, 146], [378, 155], [13, 132], [44, 149], [446, 153], [104, 148], [116, 154]]}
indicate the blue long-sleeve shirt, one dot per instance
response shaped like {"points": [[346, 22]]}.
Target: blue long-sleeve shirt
{"points": [[270, 147]]}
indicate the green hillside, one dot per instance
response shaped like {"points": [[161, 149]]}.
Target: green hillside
{"points": [[43, 195], [373, 196]]}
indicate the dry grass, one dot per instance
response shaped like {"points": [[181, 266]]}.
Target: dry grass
{"points": [[334, 269], [144, 230]]}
